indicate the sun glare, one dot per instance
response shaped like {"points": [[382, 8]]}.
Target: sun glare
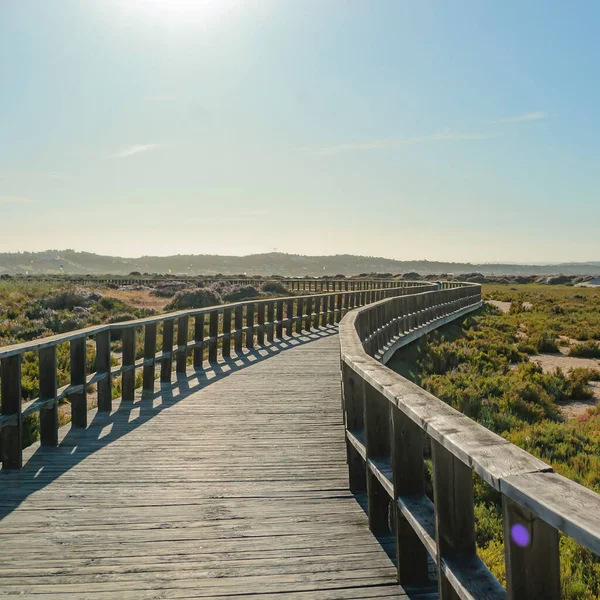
{"points": [[183, 11]]}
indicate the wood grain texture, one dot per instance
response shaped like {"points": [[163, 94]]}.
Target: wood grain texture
{"points": [[176, 496]]}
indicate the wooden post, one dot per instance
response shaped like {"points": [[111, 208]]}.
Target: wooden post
{"points": [[270, 321], [377, 442], [128, 377], [149, 369], [325, 315], [182, 344], [103, 366], [409, 480], [226, 347], [12, 435], [166, 365], [340, 308], [199, 341], [239, 324], [309, 310], [250, 325], [260, 335], [531, 553], [48, 414], [279, 328], [332, 308], [78, 377], [213, 333], [454, 514], [317, 317], [299, 314], [289, 313]]}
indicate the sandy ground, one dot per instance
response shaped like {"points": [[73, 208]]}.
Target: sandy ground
{"points": [[505, 306], [138, 298]]}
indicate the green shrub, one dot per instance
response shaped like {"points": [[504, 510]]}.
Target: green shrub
{"points": [[199, 298], [587, 349]]}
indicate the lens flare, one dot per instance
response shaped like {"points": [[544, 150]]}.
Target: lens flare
{"points": [[520, 535]]}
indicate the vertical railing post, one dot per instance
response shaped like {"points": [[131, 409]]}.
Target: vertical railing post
{"points": [[454, 514], [239, 325], [340, 307], [78, 377], [309, 310], [533, 563], [226, 347], [250, 325], [317, 317], [270, 321], [325, 309], [103, 367], [377, 442], [149, 369], [12, 435], [353, 390], [332, 308], [279, 328], [128, 356], [289, 313], [409, 480], [166, 365], [213, 333], [260, 331], [182, 344], [199, 341], [299, 313], [48, 414]]}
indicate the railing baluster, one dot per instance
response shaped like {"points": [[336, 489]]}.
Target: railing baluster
{"points": [[409, 480], [149, 370], [289, 313], [226, 347], [309, 309], [48, 414], [12, 435], [325, 309], [213, 332], [78, 401], [128, 377], [166, 365], [377, 443], [250, 326], [299, 313], [454, 514], [239, 324], [270, 321], [199, 341], [260, 332], [317, 316], [531, 553], [182, 344], [103, 367], [279, 328]]}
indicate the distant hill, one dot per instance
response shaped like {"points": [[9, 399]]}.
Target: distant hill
{"points": [[273, 263]]}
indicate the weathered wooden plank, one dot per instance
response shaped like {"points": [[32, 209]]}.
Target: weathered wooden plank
{"points": [[78, 400], [12, 435]]}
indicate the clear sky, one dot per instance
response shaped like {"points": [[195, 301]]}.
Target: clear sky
{"points": [[450, 130]]}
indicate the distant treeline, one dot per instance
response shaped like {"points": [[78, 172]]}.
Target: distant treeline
{"points": [[274, 263]]}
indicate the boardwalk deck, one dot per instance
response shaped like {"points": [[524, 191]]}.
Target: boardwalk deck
{"points": [[230, 483]]}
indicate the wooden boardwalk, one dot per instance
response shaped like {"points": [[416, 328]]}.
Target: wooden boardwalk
{"points": [[232, 482]]}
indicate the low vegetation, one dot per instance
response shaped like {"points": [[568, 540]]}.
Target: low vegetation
{"points": [[481, 366]]}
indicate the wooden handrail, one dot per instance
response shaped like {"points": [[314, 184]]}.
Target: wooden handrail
{"points": [[247, 323], [388, 419]]}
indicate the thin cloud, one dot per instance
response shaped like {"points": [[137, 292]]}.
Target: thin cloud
{"points": [[15, 200], [530, 116], [442, 136], [137, 149]]}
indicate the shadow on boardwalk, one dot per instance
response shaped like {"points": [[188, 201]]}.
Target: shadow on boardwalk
{"points": [[41, 470]]}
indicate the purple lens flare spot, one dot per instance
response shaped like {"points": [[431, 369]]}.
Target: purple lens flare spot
{"points": [[520, 535]]}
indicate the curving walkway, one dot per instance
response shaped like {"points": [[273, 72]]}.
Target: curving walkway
{"points": [[230, 483]]}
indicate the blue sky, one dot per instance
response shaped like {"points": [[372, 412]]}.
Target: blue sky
{"points": [[442, 130]]}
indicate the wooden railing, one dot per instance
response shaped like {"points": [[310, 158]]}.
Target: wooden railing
{"points": [[216, 330], [293, 284], [390, 422]]}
